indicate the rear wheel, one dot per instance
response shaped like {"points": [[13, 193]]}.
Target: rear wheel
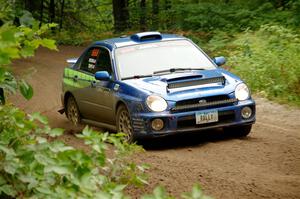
{"points": [[239, 131], [124, 123], [72, 111]]}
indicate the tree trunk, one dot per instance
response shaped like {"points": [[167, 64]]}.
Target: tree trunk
{"points": [[168, 17], [167, 4], [61, 14], [2, 97], [51, 11], [94, 6], [143, 21], [121, 15], [281, 3], [155, 12], [29, 5], [32, 6], [41, 12]]}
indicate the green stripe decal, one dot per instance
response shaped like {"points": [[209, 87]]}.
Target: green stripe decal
{"points": [[83, 79]]}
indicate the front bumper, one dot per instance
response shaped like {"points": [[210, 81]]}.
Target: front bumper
{"points": [[182, 122]]}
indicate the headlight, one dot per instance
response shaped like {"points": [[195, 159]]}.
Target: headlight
{"points": [[242, 92], [156, 103]]}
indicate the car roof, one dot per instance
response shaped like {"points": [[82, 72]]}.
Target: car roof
{"points": [[134, 39]]}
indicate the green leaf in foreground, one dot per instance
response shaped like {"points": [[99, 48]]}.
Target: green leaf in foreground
{"points": [[49, 43], [196, 193], [38, 117], [57, 169], [36, 167], [8, 190], [56, 132], [26, 90]]}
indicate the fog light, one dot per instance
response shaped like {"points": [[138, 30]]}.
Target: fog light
{"points": [[157, 124], [246, 112]]}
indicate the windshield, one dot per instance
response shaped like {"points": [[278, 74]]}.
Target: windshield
{"points": [[145, 59]]}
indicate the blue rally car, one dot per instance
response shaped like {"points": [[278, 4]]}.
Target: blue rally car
{"points": [[151, 84]]}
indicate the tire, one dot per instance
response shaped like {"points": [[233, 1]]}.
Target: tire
{"points": [[72, 111], [124, 125], [239, 131]]}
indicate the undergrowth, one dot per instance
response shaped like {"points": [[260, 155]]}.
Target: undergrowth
{"points": [[268, 60]]}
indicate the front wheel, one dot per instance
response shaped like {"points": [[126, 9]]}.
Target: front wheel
{"points": [[72, 111], [124, 124], [238, 131]]}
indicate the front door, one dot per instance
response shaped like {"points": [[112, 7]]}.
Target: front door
{"points": [[97, 100]]}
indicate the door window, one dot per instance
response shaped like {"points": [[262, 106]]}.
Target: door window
{"points": [[96, 59], [104, 61]]}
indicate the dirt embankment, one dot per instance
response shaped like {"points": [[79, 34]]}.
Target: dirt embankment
{"points": [[264, 165]]}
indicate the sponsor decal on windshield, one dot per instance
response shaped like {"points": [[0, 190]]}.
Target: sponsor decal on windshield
{"points": [[91, 66], [92, 61], [95, 52]]}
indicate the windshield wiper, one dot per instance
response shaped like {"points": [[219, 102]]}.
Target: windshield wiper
{"points": [[136, 77], [172, 70]]}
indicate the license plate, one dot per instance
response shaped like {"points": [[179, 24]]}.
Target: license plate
{"points": [[209, 116]]}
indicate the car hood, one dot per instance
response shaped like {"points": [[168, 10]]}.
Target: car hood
{"points": [[186, 85]]}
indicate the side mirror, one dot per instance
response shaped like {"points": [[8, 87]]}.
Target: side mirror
{"points": [[72, 60], [219, 60], [102, 76]]}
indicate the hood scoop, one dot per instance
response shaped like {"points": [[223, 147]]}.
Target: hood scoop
{"points": [[193, 81], [182, 78]]}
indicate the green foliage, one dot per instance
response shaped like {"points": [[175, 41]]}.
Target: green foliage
{"points": [[160, 193], [31, 166], [230, 17], [81, 38], [69, 38], [6, 11], [196, 193], [212, 15], [26, 89], [268, 59], [20, 42]]}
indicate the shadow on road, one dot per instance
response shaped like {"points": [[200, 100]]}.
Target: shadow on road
{"points": [[182, 140], [187, 140]]}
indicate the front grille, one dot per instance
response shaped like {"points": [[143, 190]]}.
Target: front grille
{"points": [[206, 102], [190, 121]]}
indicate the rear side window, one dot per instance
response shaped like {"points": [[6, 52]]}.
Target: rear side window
{"points": [[96, 59]]}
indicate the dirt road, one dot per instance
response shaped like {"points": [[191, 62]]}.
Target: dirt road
{"points": [[264, 165]]}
